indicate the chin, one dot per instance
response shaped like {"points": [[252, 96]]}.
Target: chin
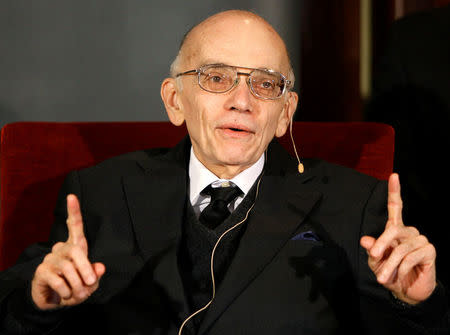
{"points": [[238, 159]]}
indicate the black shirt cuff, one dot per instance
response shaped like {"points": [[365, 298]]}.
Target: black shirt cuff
{"points": [[25, 317], [430, 312]]}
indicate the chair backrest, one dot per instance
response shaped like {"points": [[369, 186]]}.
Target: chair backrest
{"points": [[36, 156]]}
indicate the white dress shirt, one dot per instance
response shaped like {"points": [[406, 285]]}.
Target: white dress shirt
{"points": [[200, 177]]}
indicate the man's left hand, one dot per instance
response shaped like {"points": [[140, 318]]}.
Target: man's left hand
{"points": [[401, 258]]}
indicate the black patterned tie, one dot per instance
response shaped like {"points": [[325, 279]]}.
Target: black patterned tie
{"points": [[217, 210]]}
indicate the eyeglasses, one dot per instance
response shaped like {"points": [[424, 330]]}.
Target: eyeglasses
{"points": [[219, 78]]}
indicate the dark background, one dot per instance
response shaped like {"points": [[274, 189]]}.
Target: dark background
{"points": [[104, 60], [79, 60]]}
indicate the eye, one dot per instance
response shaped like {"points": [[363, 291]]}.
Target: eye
{"points": [[268, 85], [264, 84], [215, 78]]}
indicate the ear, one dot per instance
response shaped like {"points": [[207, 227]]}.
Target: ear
{"points": [[287, 114], [169, 96]]}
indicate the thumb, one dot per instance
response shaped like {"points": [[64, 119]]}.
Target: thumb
{"points": [[367, 242], [99, 269]]}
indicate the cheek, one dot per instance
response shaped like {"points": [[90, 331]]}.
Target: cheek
{"points": [[199, 116], [272, 122], [191, 107], [209, 106]]}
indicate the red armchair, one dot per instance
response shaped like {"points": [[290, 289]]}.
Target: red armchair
{"points": [[36, 156]]}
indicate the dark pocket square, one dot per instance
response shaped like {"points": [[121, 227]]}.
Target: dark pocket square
{"points": [[306, 236]]}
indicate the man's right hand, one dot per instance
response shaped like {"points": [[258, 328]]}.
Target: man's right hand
{"points": [[66, 277]]}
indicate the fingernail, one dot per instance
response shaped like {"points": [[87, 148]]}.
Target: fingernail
{"points": [[91, 280], [374, 252]]}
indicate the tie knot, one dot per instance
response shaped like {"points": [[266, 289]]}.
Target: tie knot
{"points": [[225, 194], [217, 211]]}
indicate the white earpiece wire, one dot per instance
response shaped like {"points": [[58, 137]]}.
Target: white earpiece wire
{"points": [[214, 251]]}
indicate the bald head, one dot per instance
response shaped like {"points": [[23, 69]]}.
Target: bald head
{"points": [[243, 32], [230, 129]]}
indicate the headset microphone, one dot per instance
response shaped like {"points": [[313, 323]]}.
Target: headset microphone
{"points": [[301, 168]]}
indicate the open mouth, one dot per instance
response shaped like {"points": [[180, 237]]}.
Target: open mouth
{"points": [[236, 127], [236, 131]]}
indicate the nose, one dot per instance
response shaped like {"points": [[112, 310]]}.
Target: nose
{"points": [[240, 98]]}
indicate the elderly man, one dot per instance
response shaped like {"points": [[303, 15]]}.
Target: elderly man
{"points": [[145, 243]]}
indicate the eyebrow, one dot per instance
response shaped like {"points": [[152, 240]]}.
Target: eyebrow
{"points": [[212, 62]]}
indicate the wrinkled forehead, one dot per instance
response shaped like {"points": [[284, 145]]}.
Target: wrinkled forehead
{"points": [[237, 40]]}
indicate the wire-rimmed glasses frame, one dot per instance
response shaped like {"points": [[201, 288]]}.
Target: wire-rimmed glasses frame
{"points": [[282, 82]]}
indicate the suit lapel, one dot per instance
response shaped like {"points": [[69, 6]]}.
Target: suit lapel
{"points": [[156, 202], [281, 206]]}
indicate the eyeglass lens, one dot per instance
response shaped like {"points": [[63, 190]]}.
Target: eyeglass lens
{"points": [[220, 79]]}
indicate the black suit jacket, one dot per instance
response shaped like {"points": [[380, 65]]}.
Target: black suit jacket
{"points": [[298, 269]]}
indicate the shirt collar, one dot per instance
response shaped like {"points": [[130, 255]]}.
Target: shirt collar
{"points": [[200, 177]]}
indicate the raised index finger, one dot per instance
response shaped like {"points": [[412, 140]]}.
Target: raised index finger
{"points": [[74, 220], [395, 203]]}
